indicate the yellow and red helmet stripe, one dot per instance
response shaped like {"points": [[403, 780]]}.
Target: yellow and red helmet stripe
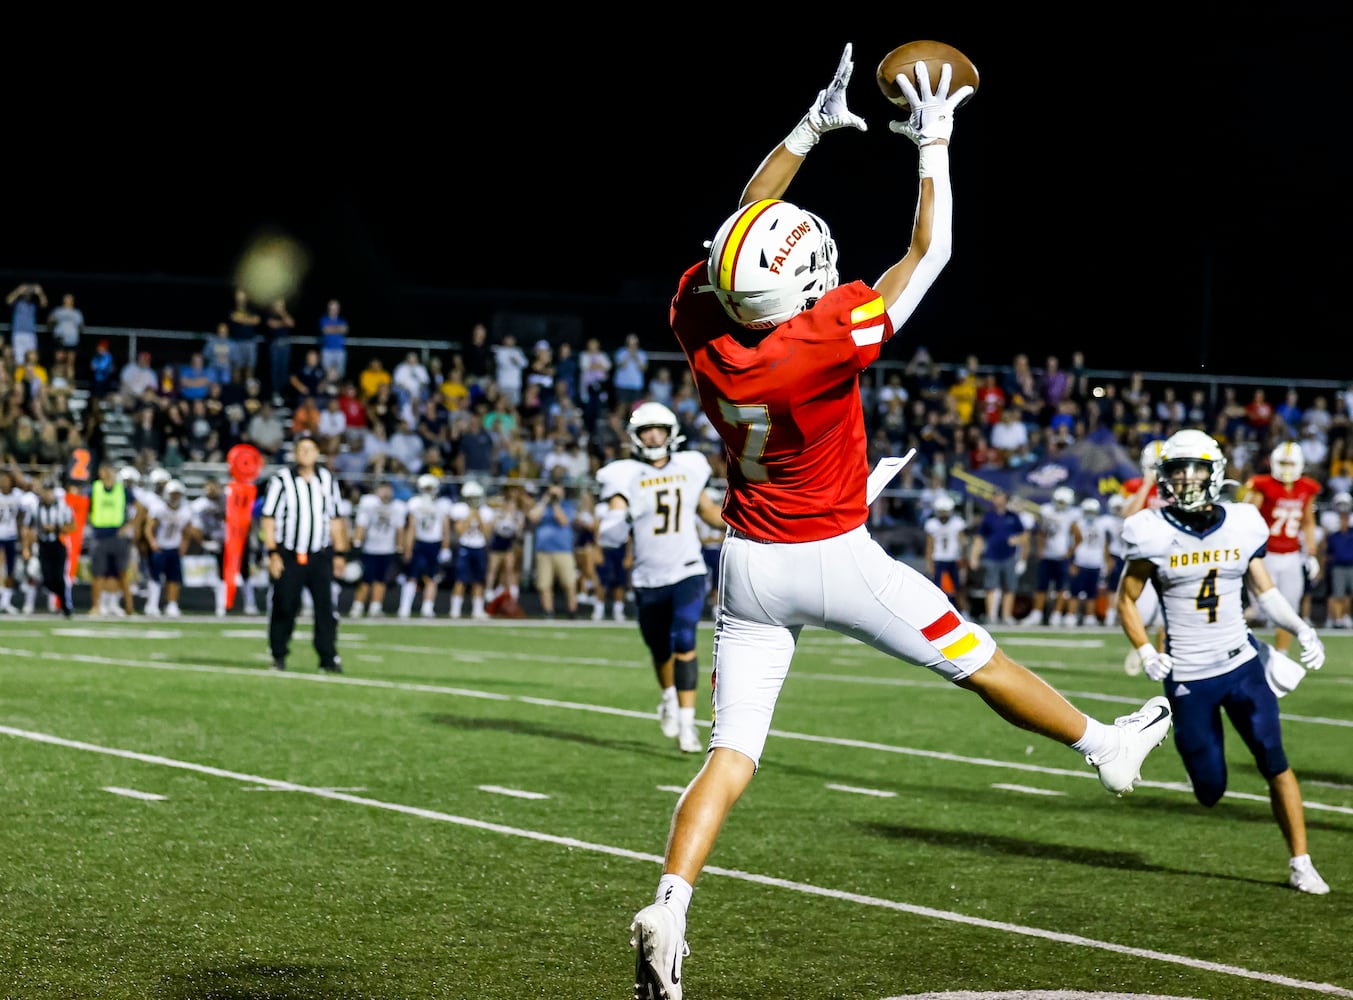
{"points": [[732, 246]]}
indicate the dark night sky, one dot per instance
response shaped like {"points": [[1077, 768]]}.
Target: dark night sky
{"points": [[1166, 198]]}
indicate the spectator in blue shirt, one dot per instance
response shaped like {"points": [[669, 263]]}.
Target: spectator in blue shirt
{"points": [[333, 341], [1000, 550], [194, 378], [552, 520], [102, 371]]}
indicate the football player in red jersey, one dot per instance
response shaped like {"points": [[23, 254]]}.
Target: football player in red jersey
{"points": [[776, 347], [1286, 498]]}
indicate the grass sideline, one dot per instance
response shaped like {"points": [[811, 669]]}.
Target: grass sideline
{"points": [[476, 811]]}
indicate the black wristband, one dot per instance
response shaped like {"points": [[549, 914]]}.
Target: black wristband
{"points": [[274, 552]]}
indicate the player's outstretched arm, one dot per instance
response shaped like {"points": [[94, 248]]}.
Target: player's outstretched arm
{"points": [[930, 126], [828, 113]]}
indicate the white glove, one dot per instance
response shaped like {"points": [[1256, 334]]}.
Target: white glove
{"points": [[1312, 649], [1020, 567], [444, 556], [1312, 569], [828, 112], [1156, 664], [932, 112]]}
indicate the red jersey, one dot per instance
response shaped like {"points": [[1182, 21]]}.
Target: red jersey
{"points": [[788, 409], [1284, 508], [1153, 500]]}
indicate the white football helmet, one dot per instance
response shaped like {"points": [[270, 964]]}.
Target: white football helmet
{"points": [[1191, 471], [1090, 506], [1064, 496], [1151, 456], [770, 261], [654, 415], [1342, 501], [471, 490], [129, 475], [159, 479], [944, 504], [429, 485], [1116, 503], [1287, 462], [174, 488]]}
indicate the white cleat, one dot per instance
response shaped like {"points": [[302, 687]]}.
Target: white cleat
{"points": [[689, 740], [661, 947], [1138, 734], [667, 718], [428, 612], [1304, 878]]}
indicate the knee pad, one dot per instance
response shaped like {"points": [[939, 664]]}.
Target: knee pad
{"points": [[686, 673]]}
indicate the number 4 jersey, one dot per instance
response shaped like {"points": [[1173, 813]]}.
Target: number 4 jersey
{"points": [[1200, 576]]}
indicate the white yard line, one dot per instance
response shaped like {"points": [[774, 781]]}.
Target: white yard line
{"points": [[274, 676], [949, 916]]}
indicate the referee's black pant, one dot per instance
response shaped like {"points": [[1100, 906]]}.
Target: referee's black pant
{"points": [[52, 557], [316, 575]]}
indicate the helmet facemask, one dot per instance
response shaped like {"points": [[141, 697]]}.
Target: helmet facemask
{"points": [[648, 415], [1287, 463]]}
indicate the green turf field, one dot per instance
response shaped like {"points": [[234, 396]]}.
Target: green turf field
{"points": [[476, 811]]}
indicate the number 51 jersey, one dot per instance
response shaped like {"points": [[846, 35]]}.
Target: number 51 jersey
{"points": [[662, 503], [1201, 578]]}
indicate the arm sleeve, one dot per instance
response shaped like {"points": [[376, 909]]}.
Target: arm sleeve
{"points": [[614, 527], [1280, 610], [934, 163]]}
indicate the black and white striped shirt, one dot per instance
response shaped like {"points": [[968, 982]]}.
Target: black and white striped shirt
{"points": [[301, 510], [48, 519]]}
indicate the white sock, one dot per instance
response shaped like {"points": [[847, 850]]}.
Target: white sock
{"points": [[6, 597], [220, 597], [669, 695], [477, 605], [153, 588], [515, 591], [686, 717], [457, 603], [406, 595], [30, 596], [675, 891], [1098, 738]]}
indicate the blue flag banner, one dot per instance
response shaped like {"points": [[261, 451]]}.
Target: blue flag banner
{"points": [[1097, 466]]}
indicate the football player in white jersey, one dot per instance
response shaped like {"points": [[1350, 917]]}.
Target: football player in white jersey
{"points": [[379, 533], [209, 511], [655, 498], [170, 521], [13, 505], [1202, 552], [427, 545], [1089, 560], [1053, 544], [946, 539], [472, 519]]}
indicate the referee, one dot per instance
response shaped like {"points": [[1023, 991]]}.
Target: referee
{"points": [[48, 525], [306, 538]]}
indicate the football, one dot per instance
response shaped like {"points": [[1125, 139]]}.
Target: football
{"points": [[904, 58]]}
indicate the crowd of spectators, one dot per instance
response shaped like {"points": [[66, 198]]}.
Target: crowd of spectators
{"points": [[495, 409]]}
